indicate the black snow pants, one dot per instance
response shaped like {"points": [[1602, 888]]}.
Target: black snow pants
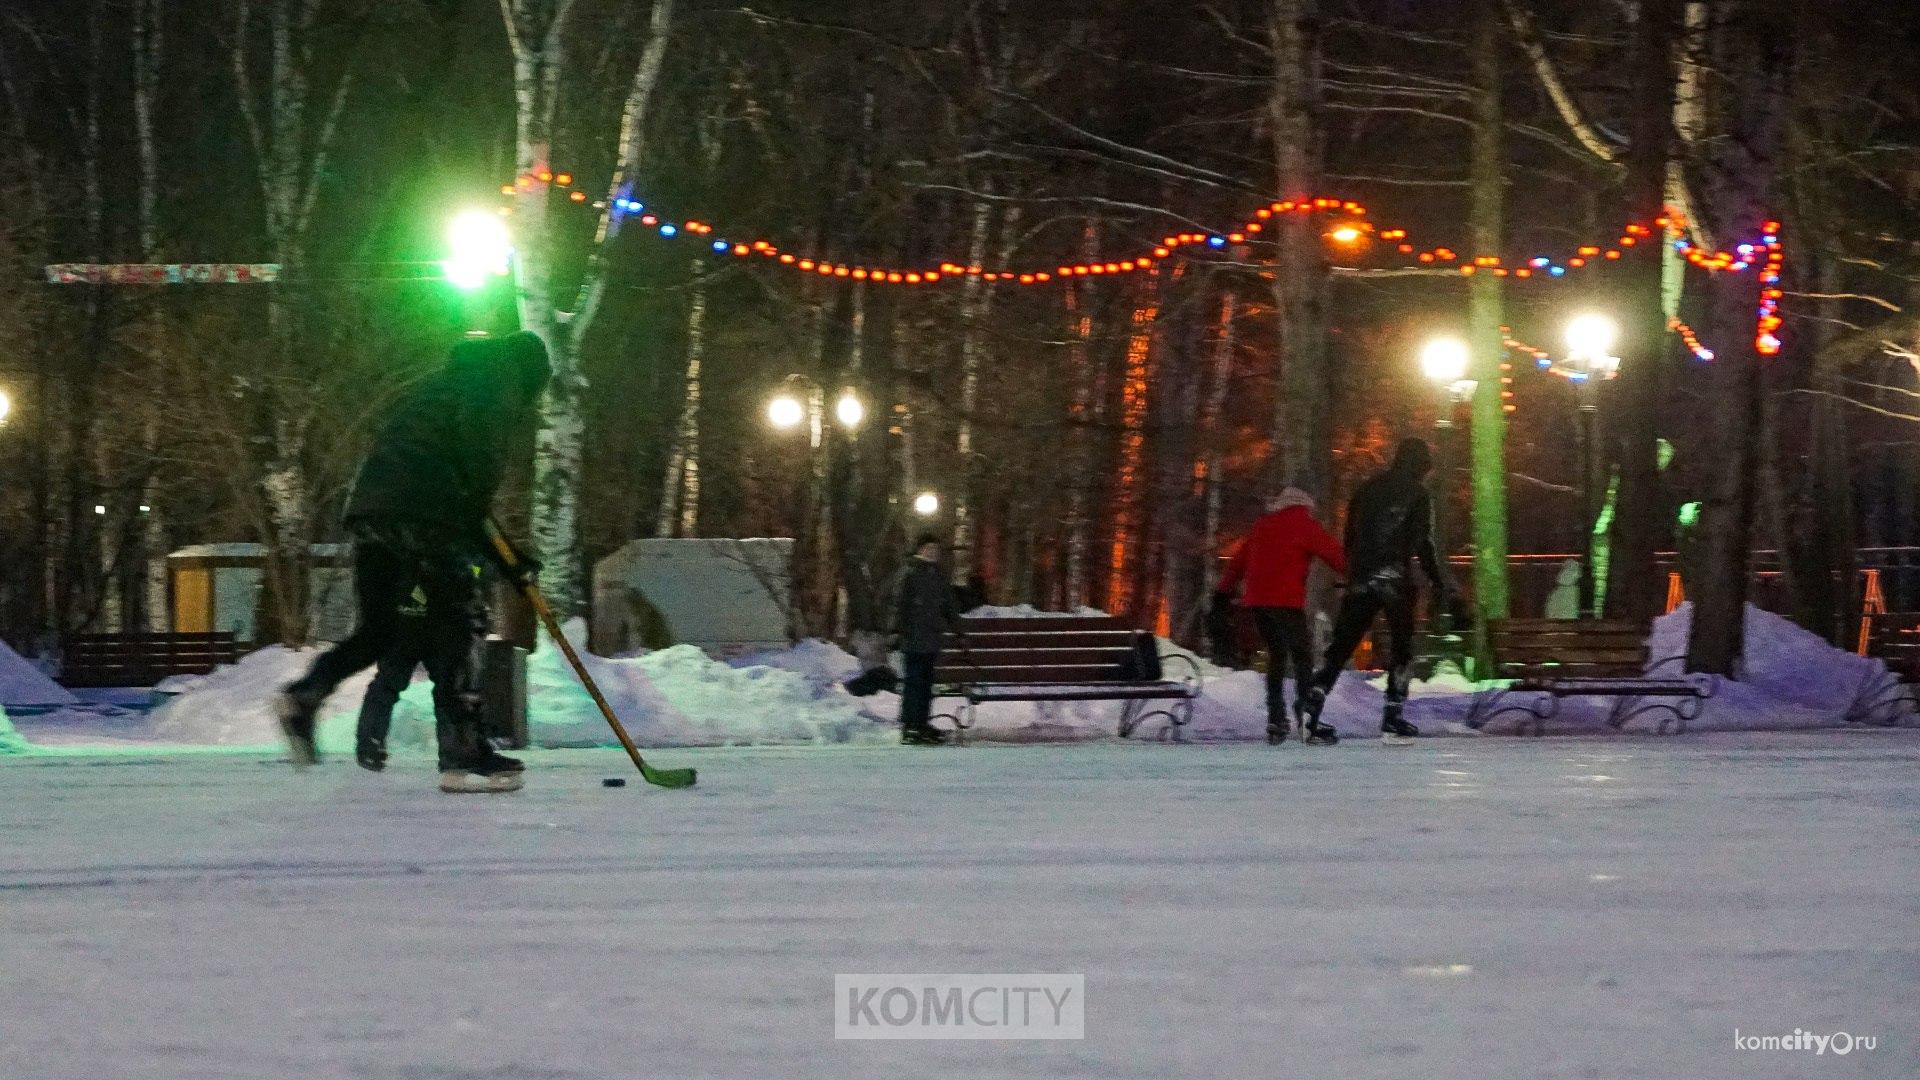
{"points": [[392, 677], [1389, 593], [1289, 649], [916, 689], [389, 562]]}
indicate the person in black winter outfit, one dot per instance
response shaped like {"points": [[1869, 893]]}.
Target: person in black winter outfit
{"points": [[417, 516], [1389, 525], [926, 609]]}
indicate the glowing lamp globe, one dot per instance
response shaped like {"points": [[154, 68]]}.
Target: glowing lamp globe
{"points": [[6, 406], [926, 504], [1591, 337], [849, 410], [478, 248], [786, 412], [1444, 360]]}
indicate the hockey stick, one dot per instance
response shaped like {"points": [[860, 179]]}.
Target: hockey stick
{"points": [[667, 778]]}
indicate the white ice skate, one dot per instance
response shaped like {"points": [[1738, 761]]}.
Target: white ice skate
{"points": [[461, 782]]}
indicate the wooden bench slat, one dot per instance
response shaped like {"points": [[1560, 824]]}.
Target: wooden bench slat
{"points": [[1042, 623], [1058, 673]]}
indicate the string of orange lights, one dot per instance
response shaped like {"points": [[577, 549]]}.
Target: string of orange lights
{"points": [[1352, 229]]}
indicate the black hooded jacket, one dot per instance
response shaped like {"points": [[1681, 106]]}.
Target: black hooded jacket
{"points": [[1390, 521], [443, 452]]}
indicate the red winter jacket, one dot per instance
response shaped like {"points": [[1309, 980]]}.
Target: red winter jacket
{"points": [[1275, 556]]}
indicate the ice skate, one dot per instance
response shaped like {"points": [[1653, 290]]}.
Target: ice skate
{"points": [[371, 753], [922, 735], [1394, 728], [1315, 733], [296, 715], [495, 762], [463, 782]]}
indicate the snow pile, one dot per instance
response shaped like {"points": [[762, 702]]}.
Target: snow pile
{"points": [[793, 696], [674, 697], [21, 683], [234, 706], [682, 697], [1791, 677]]}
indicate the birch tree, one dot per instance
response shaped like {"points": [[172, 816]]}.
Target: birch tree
{"points": [[550, 305]]}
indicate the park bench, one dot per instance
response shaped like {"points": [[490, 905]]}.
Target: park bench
{"points": [[101, 660], [1892, 637], [1547, 660], [1063, 658]]}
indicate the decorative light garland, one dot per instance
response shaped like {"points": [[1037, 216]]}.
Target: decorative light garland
{"points": [[1352, 229]]}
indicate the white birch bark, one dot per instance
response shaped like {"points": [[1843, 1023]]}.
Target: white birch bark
{"points": [[534, 34]]}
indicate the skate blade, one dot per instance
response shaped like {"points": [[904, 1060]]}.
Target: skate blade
{"points": [[458, 783]]}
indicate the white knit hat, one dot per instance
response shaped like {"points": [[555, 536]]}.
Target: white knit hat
{"points": [[1292, 496]]}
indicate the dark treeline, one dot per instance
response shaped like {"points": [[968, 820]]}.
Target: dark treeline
{"points": [[1092, 442]]}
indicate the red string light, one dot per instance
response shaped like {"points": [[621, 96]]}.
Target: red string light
{"points": [[1351, 230]]}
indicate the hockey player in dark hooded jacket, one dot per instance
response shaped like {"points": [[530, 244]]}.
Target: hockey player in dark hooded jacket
{"points": [[417, 516], [1389, 525]]}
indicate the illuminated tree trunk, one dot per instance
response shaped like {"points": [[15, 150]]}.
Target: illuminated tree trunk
{"points": [[1214, 431], [1485, 315], [973, 315], [1083, 409], [680, 488], [1127, 549], [564, 317]]}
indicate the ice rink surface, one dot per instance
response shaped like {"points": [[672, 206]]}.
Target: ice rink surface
{"points": [[1460, 908]]}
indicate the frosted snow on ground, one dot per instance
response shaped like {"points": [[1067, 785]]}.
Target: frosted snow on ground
{"points": [[1458, 910]]}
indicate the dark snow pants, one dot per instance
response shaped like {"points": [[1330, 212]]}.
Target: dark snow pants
{"points": [[1393, 596], [916, 688], [1289, 649], [392, 677], [389, 562]]}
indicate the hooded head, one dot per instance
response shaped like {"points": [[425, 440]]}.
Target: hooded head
{"points": [[1289, 497], [518, 360], [1413, 457]]}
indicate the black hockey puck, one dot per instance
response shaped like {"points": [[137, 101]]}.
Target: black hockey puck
{"points": [[614, 781]]}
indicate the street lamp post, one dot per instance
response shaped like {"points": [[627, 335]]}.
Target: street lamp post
{"points": [[801, 400], [1590, 340], [1444, 362]]}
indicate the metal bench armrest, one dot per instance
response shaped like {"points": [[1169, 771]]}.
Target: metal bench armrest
{"points": [[1195, 679]]}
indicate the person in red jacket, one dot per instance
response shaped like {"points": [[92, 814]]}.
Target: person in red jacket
{"points": [[1273, 562]]}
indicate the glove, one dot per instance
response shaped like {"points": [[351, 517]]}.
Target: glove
{"points": [[524, 571]]}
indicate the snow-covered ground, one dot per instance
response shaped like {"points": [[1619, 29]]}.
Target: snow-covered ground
{"points": [[1457, 909]]}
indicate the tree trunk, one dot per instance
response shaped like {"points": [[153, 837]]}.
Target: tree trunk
{"points": [[1634, 587], [563, 318], [1302, 418], [680, 487], [1750, 56], [1486, 313], [1215, 433], [1082, 410], [973, 314]]}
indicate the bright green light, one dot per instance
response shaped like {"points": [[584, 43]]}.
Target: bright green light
{"points": [[1690, 514], [478, 249]]}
